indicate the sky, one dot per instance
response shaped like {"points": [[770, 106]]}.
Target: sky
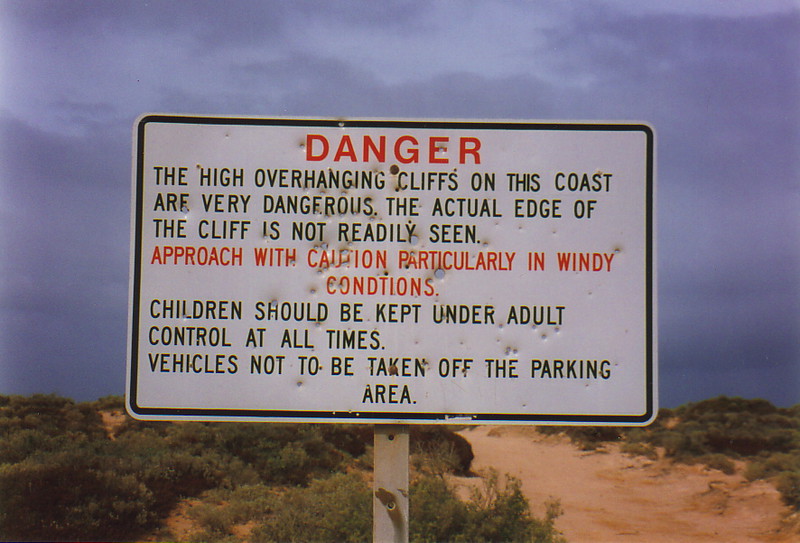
{"points": [[719, 81]]}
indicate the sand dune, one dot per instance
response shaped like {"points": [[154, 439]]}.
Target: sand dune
{"points": [[608, 496]]}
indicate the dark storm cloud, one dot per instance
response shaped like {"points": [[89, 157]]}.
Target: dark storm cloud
{"points": [[302, 84], [204, 21], [65, 255], [728, 187]]}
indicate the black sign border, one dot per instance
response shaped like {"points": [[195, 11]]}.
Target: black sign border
{"points": [[169, 413]]}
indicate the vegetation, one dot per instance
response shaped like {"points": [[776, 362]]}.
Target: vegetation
{"points": [[716, 432], [496, 511], [65, 476]]}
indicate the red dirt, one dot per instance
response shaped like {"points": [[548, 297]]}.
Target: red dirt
{"points": [[608, 496]]}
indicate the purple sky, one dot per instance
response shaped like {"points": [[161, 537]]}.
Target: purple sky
{"points": [[719, 82]]}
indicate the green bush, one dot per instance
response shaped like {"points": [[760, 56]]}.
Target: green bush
{"points": [[71, 495], [588, 438], [737, 427], [80, 483], [501, 513], [62, 477], [174, 475], [784, 470], [788, 484], [450, 451], [78, 489], [109, 403], [771, 465], [435, 512], [290, 454], [715, 432], [497, 511], [719, 462], [436, 458], [636, 448], [17, 446], [338, 508], [224, 509], [50, 415]]}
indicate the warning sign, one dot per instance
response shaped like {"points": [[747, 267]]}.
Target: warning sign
{"points": [[392, 271]]}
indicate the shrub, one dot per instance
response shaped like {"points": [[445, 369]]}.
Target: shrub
{"points": [[784, 470], [50, 415], [19, 445], [70, 495], [435, 513], [109, 403], [279, 453], [282, 453], [223, 509], [440, 443], [640, 449], [588, 438], [500, 513], [436, 458], [714, 432], [495, 512], [738, 427], [788, 484], [719, 462], [335, 509], [174, 475], [62, 477], [340, 509], [772, 465]]}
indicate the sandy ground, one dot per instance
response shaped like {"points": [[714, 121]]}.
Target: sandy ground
{"points": [[608, 496]]}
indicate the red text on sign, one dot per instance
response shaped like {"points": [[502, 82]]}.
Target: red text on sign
{"points": [[405, 149]]}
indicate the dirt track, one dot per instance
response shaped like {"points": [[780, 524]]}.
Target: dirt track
{"points": [[608, 496]]}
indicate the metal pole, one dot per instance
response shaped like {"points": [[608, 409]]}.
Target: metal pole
{"points": [[390, 500]]}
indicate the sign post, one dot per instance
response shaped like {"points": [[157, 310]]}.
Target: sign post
{"points": [[390, 500], [392, 272]]}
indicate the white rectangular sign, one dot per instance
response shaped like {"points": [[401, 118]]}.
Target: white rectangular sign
{"points": [[392, 271]]}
